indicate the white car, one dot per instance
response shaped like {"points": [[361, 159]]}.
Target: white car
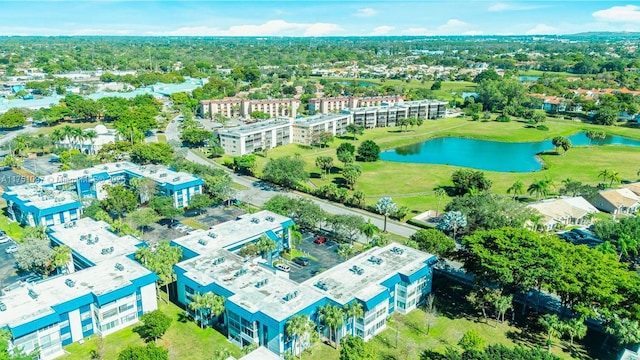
{"points": [[4, 239], [11, 249]]}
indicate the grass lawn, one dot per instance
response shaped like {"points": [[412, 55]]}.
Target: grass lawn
{"points": [[297, 253], [413, 184], [185, 340], [12, 229], [83, 125], [193, 222], [455, 318]]}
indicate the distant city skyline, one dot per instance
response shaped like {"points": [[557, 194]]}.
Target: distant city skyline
{"points": [[314, 18]]}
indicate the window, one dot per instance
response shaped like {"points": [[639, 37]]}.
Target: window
{"points": [[128, 318], [64, 324], [125, 307], [109, 313], [85, 316], [401, 305], [110, 325], [139, 297], [65, 336], [87, 327]]}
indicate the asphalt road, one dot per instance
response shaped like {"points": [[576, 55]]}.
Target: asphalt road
{"points": [[257, 194]]}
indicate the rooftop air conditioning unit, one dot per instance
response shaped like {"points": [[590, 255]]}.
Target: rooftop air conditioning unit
{"points": [[119, 267], [202, 242], [70, 283]]}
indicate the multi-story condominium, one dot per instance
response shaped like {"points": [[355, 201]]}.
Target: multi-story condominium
{"points": [[34, 205], [259, 136], [90, 182], [236, 107], [260, 299], [427, 109], [307, 130], [111, 293], [337, 104], [377, 116]]}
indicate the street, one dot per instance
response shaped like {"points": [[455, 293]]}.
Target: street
{"points": [[258, 195]]}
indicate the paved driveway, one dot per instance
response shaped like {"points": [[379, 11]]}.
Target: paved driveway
{"points": [[327, 257], [7, 266]]}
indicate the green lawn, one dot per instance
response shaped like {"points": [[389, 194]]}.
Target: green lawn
{"points": [[413, 183], [83, 125], [12, 229], [184, 339], [193, 222]]}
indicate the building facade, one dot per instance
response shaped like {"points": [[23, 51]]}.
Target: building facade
{"points": [[260, 299], [307, 130], [34, 205], [107, 293], [242, 108], [90, 182], [259, 136], [337, 104]]}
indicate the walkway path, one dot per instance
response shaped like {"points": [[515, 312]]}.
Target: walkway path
{"points": [[258, 193]]}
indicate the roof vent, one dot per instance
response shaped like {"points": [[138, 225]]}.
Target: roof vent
{"points": [[203, 242], [269, 218], [396, 250], [33, 294], [322, 285], [105, 168], [240, 272], [375, 260], [213, 235], [357, 270], [177, 178], [262, 283], [290, 296], [70, 283], [255, 220], [119, 267], [218, 261], [163, 175]]}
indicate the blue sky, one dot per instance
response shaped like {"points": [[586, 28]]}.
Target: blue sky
{"points": [[314, 18]]}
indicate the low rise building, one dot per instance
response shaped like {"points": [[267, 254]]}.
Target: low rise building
{"points": [[109, 292], [35, 205], [90, 182], [91, 144], [337, 104], [617, 201], [258, 136], [237, 107], [307, 130], [564, 212], [377, 116]]}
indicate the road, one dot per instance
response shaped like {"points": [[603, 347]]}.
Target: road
{"points": [[258, 193], [12, 134]]}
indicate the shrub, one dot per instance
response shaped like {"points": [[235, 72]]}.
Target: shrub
{"points": [[542, 127], [503, 118]]}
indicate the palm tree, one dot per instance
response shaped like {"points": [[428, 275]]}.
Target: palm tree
{"points": [[614, 176], [575, 328], [333, 318], [346, 251], [517, 189], [295, 236], [61, 258], [214, 305], [91, 135], [266, 246], [540, 188], [296, 327], [56, 136], [355, 311], [68, 133], [197, 304], [440, 194], [552, 324], [605, 175], [369, 230]]}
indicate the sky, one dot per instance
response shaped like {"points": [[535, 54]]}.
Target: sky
{"points": [[315, 18]]}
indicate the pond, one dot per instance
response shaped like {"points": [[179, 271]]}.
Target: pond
{"points": [[488, 155], [360, 83]]}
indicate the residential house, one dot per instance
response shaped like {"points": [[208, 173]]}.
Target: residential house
{"points": [[563, 212], [617, 201]]}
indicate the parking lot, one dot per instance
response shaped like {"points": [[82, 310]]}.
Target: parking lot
{"points": [[8, 273], [10, 178], [41, 166], [326, 257]]}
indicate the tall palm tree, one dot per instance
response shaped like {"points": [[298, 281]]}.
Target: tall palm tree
{"points": [[333, 318], [197, 304], [56, 136], [517, 189], [614, 177], [91, 135], [440, 194], [294, 235], [214, 305], [68, 133], [604, 174], [296, 327], [355, 311], [575, 328], [540, 188], [551, 324], [266, 247], [61, 258]]}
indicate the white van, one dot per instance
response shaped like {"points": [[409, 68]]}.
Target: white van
{"points": [[283, 267]]}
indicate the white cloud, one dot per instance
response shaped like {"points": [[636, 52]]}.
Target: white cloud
{"points": [[451, 27], [542, 29], [270, 28], [473, 32], [619, 14], [366, 12], [382, 30], [504, 6]]}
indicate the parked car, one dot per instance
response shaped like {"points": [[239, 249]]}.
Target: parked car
{"points": [[320, 240], [303, 261], [283, 267], [4, 239], [3, 307], [11, 249]]}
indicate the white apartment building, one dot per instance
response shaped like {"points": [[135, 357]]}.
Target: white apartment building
{"points": [[307, 130], [337, 104], [263, 135], [236, 107]]}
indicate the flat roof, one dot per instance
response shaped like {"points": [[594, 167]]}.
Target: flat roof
{"points": [[261, 353], [376, 108], [230, 233], [425, 101], [262, 125], [98, 280], [343, 284], [158, 173], [81, 235], [42, 198], [319, 118], [242, 278]]}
